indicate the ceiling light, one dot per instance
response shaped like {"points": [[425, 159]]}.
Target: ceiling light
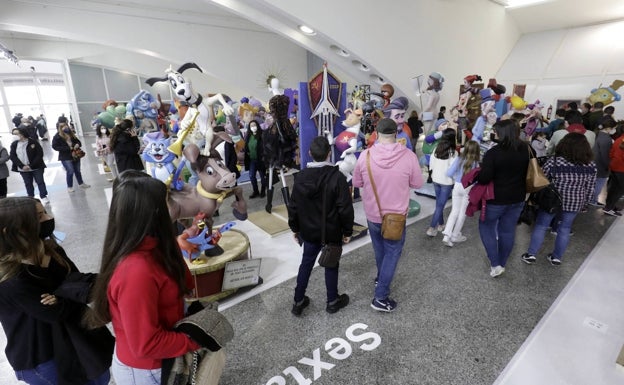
{"points": [[519, 3], [339, 51], [307, 30], [376, 78], [361, 66]]}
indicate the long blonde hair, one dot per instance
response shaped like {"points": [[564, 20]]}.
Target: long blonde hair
{"points": [[470, 156]]}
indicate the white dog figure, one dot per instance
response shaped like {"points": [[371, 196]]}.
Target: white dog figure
{"points": [[183, 91], [349, 137]]}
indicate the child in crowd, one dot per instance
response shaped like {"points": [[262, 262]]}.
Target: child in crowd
{"points": [[467, 160], [539, 143], [440, 162], [103, 150]]}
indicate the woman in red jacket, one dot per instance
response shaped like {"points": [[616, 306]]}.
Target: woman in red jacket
{"points": [[142, 282], [615, 188]]}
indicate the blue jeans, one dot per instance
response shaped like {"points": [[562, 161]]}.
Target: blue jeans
{"points": [[542, 222], [37, 176], [127, 375], [498, 231], [72, 167], [310, 252], [600, 182], [45, 374], [387, 254], [442, 192], [257, 166]]}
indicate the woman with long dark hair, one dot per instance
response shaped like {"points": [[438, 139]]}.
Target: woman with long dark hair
{"points": [[505, 165], [573, 173], [125, 144], [253, 159], [441, 160], [142, 282], [42, 299]]}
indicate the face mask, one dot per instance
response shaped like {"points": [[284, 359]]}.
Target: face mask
{"points": [[46, 228], [15, 137], [103, 132], [253, 129], [66, 130]]}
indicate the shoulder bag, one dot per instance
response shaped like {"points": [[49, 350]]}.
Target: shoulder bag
{"points": [[535, 178], [330, 253], [392, 224]]}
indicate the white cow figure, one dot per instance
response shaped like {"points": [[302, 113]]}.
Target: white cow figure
{"points": [[183, 91]]}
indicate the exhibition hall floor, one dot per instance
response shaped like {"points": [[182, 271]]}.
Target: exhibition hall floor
{"points": [[454, 324]]}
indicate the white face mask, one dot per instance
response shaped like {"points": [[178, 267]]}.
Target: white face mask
{"points": [[253, 129], [15, 137], [103, 132]]}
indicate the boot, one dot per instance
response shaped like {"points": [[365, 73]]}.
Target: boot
{"points": [[285, 195], [269, 204]]}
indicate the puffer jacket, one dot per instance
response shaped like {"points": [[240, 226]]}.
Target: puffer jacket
{"points": [[306, 203]]}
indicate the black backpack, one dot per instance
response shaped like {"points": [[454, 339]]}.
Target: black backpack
{"points": [[548, 198]]}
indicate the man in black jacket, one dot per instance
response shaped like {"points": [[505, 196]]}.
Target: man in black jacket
{"points": [[305, 218]]}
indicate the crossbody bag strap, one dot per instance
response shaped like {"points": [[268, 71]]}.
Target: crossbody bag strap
{"points": [[372, 180], [324, 215]]}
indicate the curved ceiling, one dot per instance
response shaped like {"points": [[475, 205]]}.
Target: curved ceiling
{"points": [[362, 43]]}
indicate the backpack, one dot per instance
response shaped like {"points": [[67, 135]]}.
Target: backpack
{"points": [[548, 198]]}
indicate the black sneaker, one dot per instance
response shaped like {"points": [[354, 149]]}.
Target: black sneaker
{"points": [[612, 212], [297, 309], [553, 261], [376, 282], [387, 305], [342, 301], [528, 258]]}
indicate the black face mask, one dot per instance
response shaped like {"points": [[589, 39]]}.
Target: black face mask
{"points": [[46, 228]]}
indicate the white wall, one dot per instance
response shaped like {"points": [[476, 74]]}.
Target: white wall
{"points": [[405, 38], [567, 64]]}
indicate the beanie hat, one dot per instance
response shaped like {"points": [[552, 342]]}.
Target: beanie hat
{"points": [[440, 122], [386, 126]]}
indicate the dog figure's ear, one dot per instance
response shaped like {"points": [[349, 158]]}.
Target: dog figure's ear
{"points": [[151, 81], [186, 66]]}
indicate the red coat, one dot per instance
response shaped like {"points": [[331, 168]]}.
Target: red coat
{"points": [[617, 155], [479, 193]]}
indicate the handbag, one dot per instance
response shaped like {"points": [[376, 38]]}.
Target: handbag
{"points": [[535, 178], [528, 213], [548, 198], [78, 153], [392, 224], [330, 253]]}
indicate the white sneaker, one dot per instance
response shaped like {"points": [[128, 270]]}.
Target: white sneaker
{"points": [[461, 238], [84, 185], [447, 241], [496, 271], [70, 190], [432, 232], [45, 201], [440, 228]]}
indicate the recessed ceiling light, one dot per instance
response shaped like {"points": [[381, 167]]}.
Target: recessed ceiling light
{"points": [[376, 78], [339, 51], [361, 66], [307, 30]]}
